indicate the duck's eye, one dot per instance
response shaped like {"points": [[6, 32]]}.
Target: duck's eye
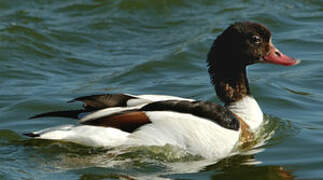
{"points": [[256, 39]]}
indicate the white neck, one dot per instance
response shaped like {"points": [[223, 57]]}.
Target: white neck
{"points": [[249, 111]]}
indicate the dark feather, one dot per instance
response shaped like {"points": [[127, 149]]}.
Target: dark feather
{"points": [[127, 121], [91, 103], [101, 101], [214, 112], [67, 114], [31, 135], [133, 119]]}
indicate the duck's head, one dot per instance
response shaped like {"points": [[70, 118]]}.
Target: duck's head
{"points": [[241, 44], [246, 43]]}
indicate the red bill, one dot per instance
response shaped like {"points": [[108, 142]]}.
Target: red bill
{"points": [[276, 57]]}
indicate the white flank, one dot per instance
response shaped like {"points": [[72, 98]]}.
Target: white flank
{"points": [[86, 135], [249, 110], [155, 97], [194, 134], [137, 102]]}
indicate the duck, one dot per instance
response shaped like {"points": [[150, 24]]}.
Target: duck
{"points": [[203, 128]]}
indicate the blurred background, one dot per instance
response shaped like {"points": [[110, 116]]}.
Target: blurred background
{"points": [[53, 51]]}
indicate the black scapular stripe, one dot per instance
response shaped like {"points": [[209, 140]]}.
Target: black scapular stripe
{"points": [[214, 112], [101, 101]]}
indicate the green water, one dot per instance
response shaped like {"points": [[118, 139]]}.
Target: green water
{"points": [[53, 51]]}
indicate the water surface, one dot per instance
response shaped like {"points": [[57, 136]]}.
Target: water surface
{"points": [[53, 51]]}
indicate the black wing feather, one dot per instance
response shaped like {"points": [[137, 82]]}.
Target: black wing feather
{"points": [[91, 103], [216, 113], [67, 114], [96, 102]]}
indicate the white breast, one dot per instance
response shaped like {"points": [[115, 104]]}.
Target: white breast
{"points": [[249, 110]]}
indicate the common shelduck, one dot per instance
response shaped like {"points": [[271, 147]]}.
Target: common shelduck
{"points": [[203, 128]]}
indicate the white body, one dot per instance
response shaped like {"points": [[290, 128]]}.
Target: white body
{"points": [[195, 134]]}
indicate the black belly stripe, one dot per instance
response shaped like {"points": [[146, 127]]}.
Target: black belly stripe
{"points": [[214, 112]]}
